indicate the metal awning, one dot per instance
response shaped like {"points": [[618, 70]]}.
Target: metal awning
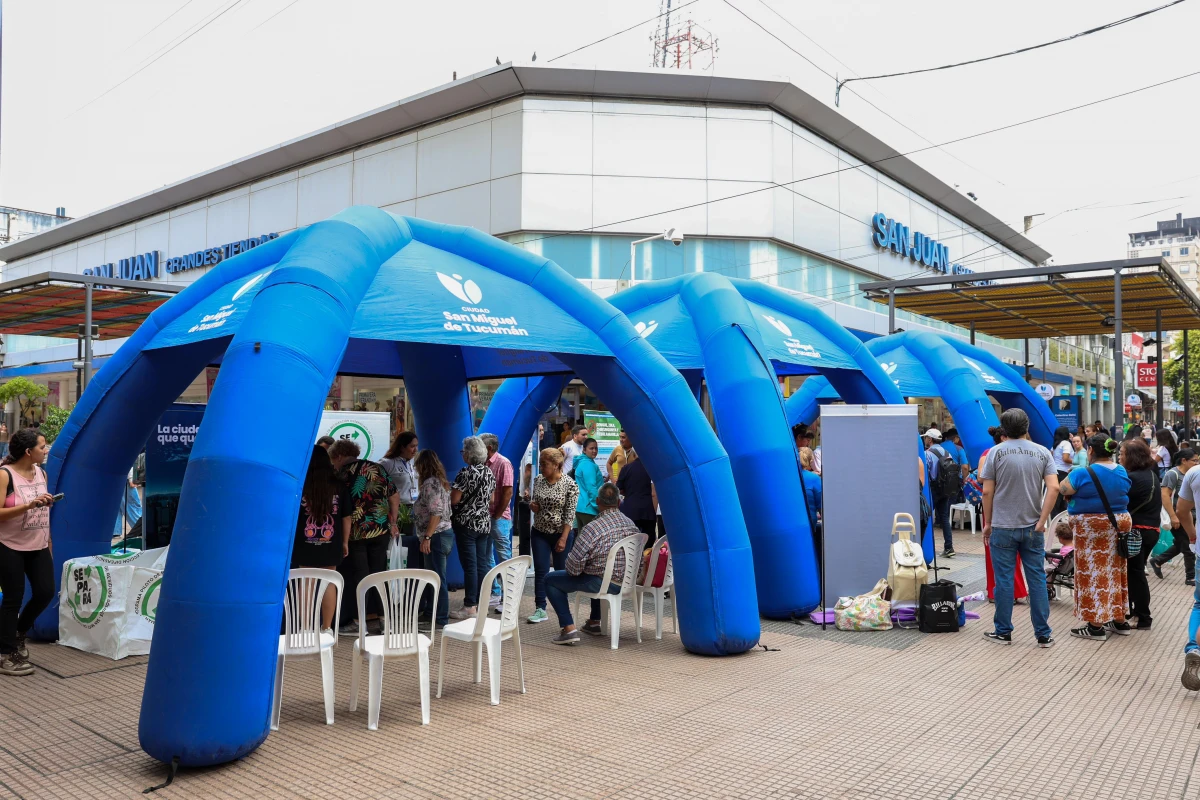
{"points": [[1044, 302], [55, 304]]}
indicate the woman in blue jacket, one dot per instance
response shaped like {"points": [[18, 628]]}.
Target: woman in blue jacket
{"points": [[589, 479]]}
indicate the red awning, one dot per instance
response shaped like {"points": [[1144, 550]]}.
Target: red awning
{"points": [[53, 305]]}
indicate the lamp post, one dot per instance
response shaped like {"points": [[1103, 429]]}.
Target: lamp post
{"points": [[1098, 349], [672, 235]]}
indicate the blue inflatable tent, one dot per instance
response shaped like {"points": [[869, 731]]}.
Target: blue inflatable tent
{"points": [[739, 335], [365, 292]]}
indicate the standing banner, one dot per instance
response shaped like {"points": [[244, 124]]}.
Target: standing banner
{"points": [[606, 430], [370, 430], [107, 604], [167, 454]]}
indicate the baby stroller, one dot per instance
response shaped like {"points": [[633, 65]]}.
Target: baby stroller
{"points": [[1061, 568]]}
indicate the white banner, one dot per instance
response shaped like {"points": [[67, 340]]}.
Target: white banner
{"points": [[370, 430], [108, 603]]}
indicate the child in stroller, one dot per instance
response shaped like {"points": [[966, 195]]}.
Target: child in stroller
{"points": [[1060, 569]]}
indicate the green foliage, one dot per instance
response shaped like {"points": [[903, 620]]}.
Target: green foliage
{"points": [[1173, 369], [24, 391], [55, 419]]}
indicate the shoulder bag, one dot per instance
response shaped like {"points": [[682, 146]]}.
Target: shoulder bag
{"points": [[1129, 543]]}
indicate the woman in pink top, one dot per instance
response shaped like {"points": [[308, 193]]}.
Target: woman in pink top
{"points": [[24, 546]]}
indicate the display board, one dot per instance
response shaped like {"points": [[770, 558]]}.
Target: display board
{"points": [[107, 603], [861, 498], [606, 430], [1066, 411], [370, 430], [167, 452]]}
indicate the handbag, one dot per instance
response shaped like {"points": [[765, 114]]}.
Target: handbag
{"points": [[397, 555], [938, 609], [866, 612], [1129, 543]]}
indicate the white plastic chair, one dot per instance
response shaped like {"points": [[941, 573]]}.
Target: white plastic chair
{"points": [[485, 630], [658, 592], [302, 637], [632, 547], [401, 591], [967, 509]]}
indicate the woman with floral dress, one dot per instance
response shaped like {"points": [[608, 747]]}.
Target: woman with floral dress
{"points": [[553, 501], [431, 517]]}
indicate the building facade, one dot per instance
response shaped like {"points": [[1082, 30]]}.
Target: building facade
{"points": [[1176, 240], [764, 181]]}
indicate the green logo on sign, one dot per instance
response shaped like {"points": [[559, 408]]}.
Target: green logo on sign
{"points": [[355, 433], [149, 606], [90, 594]]}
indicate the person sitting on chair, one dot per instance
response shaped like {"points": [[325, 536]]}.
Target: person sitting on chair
{"points": [[585, 564]]}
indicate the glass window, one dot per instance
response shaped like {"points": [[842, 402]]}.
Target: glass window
{"points": [[1183, 251], [1166, 253]]}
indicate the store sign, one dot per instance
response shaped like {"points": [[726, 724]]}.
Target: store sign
{"points": [[215, 255], [1131, 345], [1134, 401], [1106, 396], [1147, 374], [1079, 389], [1044, 391], [917, 246], [135, 268]]}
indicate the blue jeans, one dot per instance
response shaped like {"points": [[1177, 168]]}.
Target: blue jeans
{"points": [[474, 550], [502, 547], [941, 515], [440, 545], [543, 555], [1006, 544], [559, 584], [1193, 623]]}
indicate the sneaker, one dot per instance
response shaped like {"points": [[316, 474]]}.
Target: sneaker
{"points": [[13, 664], [349, 629], [948, 553], [466, 612], [22, 648], [1190, 678], [566, 638], [1190, 582], [374, 627], [1144, 623], [998, 638], [1157, 567], [326, 632], [539, 615], [1119, 628], [592, 628], [1045, 641], [1095, 634]]}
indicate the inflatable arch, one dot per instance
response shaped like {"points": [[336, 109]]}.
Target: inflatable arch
{"points": [[739, 335], [372, 293]]}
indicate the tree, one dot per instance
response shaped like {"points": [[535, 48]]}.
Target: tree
{"points": [[24, 391], [55, 419], [1173, 369]]}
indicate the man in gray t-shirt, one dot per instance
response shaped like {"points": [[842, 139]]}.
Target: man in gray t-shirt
{"points": [[1172, 488], [1015, 517]]}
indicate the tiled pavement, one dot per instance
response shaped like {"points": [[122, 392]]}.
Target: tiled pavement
{"points": [[820, 715]]}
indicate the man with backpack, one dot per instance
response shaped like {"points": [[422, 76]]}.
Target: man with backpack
{"points": [[945, 482]]}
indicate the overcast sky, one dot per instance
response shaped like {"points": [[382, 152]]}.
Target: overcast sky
{"points": [[269, 70]]}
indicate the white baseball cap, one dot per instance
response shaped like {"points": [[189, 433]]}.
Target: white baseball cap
{"points": [[933, 433]]}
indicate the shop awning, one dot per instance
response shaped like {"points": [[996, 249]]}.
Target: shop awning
{"points": [[55, 304], [1073, 300]]}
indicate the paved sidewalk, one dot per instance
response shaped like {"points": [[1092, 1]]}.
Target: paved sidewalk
{"points": [[819, 715]]}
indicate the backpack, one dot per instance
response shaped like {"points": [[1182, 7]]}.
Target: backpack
{"points": [[973, 490], [938, 608], [906, 567], [947, 483]]}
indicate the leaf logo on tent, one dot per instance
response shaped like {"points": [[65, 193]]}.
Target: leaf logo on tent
{"points": [[645, 329], [468, 292], [250, 284], [986, 377], [778, 325], [888, 366]]}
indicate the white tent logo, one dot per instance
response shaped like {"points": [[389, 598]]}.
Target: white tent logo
{"points": [[888, 366], [468, 291], [250, 284], [644, 329], [986, 377], [778, 325]]}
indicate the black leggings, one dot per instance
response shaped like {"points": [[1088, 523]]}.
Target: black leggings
{"points": [[15, 567], [367, 556]]}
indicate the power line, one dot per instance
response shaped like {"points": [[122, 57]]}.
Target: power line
{"points": [[273, 16], [165, 20], [625, 30], [774, 186], [155, 60], [1089, 31]]}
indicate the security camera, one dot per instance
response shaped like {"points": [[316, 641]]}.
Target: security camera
{"points": [[674, 235]]}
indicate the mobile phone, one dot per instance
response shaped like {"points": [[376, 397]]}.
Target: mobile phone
{"points": [[58, 496]]}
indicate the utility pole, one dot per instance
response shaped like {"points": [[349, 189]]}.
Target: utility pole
{"points": [[681, 45]]}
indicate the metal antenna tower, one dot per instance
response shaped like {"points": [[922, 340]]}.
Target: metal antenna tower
{"points": [[681, 44]]}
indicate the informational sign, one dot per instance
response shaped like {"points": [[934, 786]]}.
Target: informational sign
{"points": [[1134, 401], [370, 430], [606, 430], [1066, 411], [1147, 375], [1079, 390], [366, 398], [167, 454], [1044, 390], [1131, 346]]}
